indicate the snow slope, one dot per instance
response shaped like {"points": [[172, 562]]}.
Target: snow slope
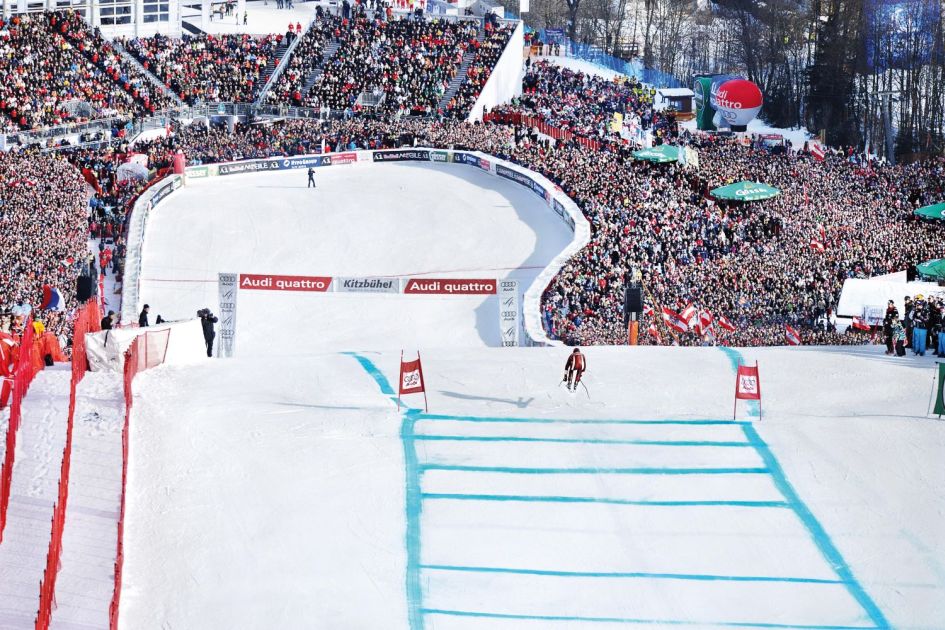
{"points": [[284, 489]]}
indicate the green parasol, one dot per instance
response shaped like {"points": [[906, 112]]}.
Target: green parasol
{"points": [[746, 191], [662, 153], [934, 268], [936, 211]]}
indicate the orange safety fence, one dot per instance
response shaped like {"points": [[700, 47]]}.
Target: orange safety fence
{"points": [[22, 377]]}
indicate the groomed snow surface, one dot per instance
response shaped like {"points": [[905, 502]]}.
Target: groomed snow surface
{"points": [[284, 489]]}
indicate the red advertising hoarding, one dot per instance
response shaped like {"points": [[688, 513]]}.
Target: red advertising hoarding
{"points": [[450, 286], [271, 282]]}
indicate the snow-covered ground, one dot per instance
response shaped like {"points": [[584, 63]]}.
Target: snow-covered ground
{"points": [[283, 486], [263, 17]]}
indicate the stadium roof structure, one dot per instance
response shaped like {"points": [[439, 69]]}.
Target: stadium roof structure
{"points": [[662, 153], [933, 268], [935, 211], [745, 191]]}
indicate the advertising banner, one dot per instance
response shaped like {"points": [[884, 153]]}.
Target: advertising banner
{"points": [[348, 157], [440, 156], [509, 312], [226, 284], [270, 282], [402, 155], [252, 166], [305, 162], [196, 171], [165, 189], [449, 286], [367, 285], [465, 158]]}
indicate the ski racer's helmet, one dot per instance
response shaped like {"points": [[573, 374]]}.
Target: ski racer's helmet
{"points": [[576, 351]]}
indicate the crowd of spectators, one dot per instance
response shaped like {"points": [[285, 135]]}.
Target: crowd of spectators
{"points": [[487, 55], [209, 68], [306, 58], [584, 104], [408, 60], [44, 234], [761, 265]]}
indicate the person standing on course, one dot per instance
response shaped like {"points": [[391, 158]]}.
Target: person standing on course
{"points": [[207, 320], [143, 317], [311, 177]]}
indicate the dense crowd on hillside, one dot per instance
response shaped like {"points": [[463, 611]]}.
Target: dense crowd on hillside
{"points": [[208, 67], [44, 233], [584, 104], [307, 56]]}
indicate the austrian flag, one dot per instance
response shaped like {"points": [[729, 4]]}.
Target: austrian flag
{"points": [[674, 320], [727, 325], [791, 336]]}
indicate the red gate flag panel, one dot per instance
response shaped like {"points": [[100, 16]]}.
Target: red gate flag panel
{"points": [[450, 286], [270, 282], [411, 377], [748, 385]]}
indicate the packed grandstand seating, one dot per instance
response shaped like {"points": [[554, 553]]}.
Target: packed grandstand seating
{"points": [[410, 62], [750, 263], [208, 68], [488, 52]]}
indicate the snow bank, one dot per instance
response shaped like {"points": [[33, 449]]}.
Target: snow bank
{"points": [[185, 345]]}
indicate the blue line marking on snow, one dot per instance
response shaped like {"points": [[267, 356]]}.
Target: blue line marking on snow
{"points": [[596, 471], [830, 553], [413, 505], [516, 498], [735, 358], [819, 535], [497, 438], [629, 574], [668, 622], [373, 372], [703, 422]]}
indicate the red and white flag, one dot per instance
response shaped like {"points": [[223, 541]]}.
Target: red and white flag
{"points": [[792, 337], [689, 313], [860, 324], [655, 333], [647, 310], [817, 246], [727, 325], [817, 150], [411, 379], [706, 319], [674, 321]]}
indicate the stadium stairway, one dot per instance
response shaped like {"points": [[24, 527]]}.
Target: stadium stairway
{"points": [[40, 442], [127, 57], [457, 80], [278, 59], [319, 70]]}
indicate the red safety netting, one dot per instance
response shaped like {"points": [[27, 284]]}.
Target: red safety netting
{"points": [[22, 378], [147, 351], [87, 320]]}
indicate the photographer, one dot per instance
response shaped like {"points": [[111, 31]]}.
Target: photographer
{"points": [[207, 320]]}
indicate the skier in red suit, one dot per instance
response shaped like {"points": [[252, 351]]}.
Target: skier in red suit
{"points": [[574, 369]]}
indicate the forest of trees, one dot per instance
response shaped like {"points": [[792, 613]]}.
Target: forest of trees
{"points": [[868, 73]]}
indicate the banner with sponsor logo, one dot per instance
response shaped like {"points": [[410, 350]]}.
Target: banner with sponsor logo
{"points": [[270, 282], [305, 162], [348, 157], [449, 286], [226, 284], [402, 155], [440, 156], [367, 285], [465, 158], [252, 166], [523, 179], [509, 311]]}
